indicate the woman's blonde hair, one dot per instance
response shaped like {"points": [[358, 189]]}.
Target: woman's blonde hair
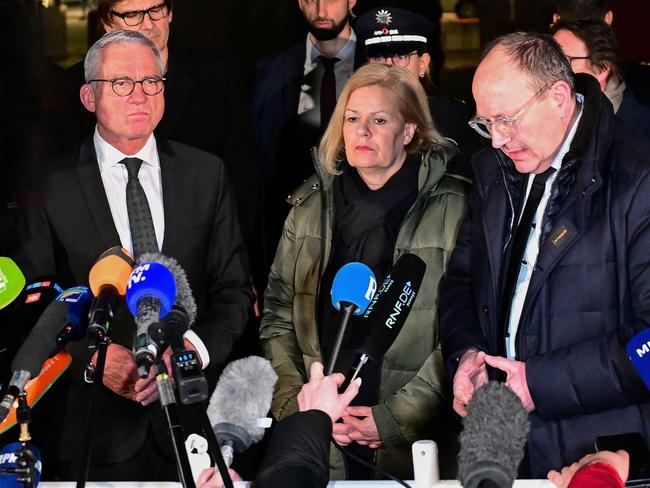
{"points": [[411, 103]]}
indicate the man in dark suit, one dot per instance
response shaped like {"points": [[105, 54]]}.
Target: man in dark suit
{"points": [[294, 94], [86, 210], [206, 100]]}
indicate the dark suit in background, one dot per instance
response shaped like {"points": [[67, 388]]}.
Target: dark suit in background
{"points": [[283, 143], [74, 226]]}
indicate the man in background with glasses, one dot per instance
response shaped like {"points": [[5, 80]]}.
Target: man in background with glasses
{"points": [[591, 47], [550, 278], [123, 186]]}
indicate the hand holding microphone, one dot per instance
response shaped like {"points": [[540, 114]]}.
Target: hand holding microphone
{"points": [[321, 393]]}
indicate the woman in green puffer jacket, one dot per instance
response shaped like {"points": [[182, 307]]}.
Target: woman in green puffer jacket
{"points": [[380, 190]]}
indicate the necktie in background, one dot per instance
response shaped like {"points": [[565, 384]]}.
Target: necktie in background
{"points": [[327, 91]]}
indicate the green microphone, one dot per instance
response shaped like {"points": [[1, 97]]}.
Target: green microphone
{"points": [[12, 281]]}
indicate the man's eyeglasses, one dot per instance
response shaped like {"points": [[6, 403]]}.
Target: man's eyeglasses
{"points": [[402, 60], [135, 17], [574, 58], [123, 87], [506, 125]]}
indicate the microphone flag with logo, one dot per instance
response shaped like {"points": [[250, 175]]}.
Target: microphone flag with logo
{"points": [[353, 288]]}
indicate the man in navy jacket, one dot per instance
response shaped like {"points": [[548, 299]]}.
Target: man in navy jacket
{"points": [[549, 307]]}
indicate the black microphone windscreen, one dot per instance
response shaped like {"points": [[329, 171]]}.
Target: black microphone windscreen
{"points": [[184, 297], [243, 395], [391, 305], [493, 437], [40, 341]]}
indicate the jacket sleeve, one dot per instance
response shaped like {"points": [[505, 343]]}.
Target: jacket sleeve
{"points": [[415, 408], [229, 292], [459, 326], [596, 374], [297, 455], [277, 332]]}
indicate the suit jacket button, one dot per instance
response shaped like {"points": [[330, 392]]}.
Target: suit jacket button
{"points": [[484, 308]]}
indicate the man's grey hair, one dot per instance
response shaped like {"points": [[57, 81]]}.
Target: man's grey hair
{"points": [[538, 54], [94, 56]]}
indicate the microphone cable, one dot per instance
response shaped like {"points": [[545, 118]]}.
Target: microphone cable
{"points": [[356, 458]]}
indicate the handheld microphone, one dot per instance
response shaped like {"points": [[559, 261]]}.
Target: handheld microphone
{"points": [[170, 331], [493, 438], [108, 278], [19, 466], [35, 388], [35, 350], [191, 383], [77, 300], [638, 350], [353, 288], [150, 294], [184, 296], [241, 400], [12, 281], [390, 308]]}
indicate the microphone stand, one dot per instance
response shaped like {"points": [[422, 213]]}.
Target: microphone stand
{"points": [[176, 322], [347, 309], [99, 341], [168, 403], [25, 468]]}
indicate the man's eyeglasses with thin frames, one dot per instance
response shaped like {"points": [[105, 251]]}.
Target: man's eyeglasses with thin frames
{"points": [[123, 87], [507, 124]]}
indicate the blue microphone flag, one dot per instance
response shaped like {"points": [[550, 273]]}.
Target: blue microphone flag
{"points": [[354, 283], [638, 350], [151, 279]]}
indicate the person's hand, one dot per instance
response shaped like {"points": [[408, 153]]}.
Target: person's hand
{"points": [[340, 432], [146, 390], [365, 430], [321, 392], [210, 478], [120, 371], [619, 460], [470, 375], [516, 378]]}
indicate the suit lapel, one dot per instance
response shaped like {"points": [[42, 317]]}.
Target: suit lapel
{"points": [[93, 192], [172, 187]]}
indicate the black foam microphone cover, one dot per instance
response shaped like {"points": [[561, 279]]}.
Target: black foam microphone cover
{"points": [[493, 438]]}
